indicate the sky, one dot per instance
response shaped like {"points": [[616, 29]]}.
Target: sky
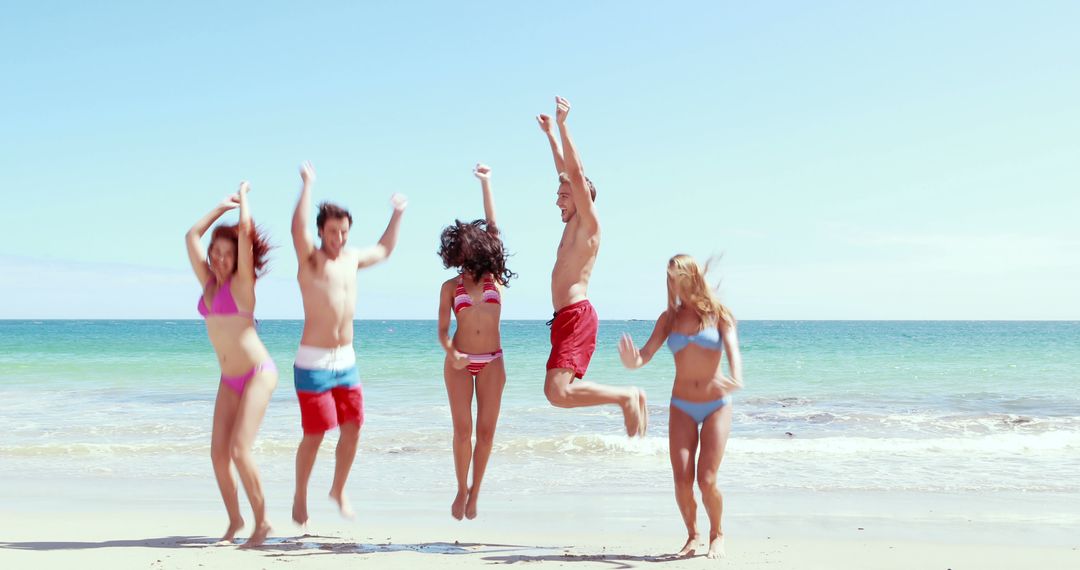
{"points": [[845, 160]]}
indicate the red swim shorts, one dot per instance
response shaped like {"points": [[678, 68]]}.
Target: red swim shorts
{"points": [[573, 337], [323, 411]]}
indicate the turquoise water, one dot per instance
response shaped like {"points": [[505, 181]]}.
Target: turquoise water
{"points": [[928, 406]]}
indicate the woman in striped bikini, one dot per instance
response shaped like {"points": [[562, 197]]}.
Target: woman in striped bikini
{"points": [[698, 330], [474, 355], [248, 375]]}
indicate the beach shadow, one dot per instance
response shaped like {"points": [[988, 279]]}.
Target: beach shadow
{"points": [[314, 545], [272, 543], [615, 560], [163, 542], [448, 548]]}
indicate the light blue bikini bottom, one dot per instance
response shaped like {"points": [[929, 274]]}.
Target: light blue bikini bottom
{"points": [[699, 411]]}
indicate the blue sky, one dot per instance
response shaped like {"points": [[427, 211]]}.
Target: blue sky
{"points": [[850, 161]]}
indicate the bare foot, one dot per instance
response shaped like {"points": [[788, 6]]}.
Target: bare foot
{"points": [[632, 413], [716, 548], [470, 506], [457, 509], [644, 414], [690, 547], [343, 504], [258, 537], [299, 511], [230, 533]]}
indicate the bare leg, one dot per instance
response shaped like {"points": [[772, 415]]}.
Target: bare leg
{"points": [[683, 443], [563, 392], [252, 409], [459, 390], [489, 389], [305, 462], [714, 436], [224, 417], [345, 454]]}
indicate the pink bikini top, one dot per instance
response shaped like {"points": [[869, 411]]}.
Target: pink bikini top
{"points": [[490, 294], [223, 304]]}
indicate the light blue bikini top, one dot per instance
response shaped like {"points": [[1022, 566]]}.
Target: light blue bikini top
{"points": [[708, 338]]}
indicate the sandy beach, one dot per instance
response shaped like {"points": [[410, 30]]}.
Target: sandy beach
{"points": [[124, 540], [122, 526]]}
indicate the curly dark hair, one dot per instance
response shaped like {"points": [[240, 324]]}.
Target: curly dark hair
{"points": [[476, 248], [260, 244]]}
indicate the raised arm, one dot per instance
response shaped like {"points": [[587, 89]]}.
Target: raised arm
{"points": [[579, 189], [632, 357], [245, 257], [483, 172], [302, 240], [196, 252], [545, 125], [383, 249], [731, 346]]}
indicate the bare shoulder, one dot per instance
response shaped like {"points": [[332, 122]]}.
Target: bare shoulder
{"points": [[665, 318], [726, 328]]}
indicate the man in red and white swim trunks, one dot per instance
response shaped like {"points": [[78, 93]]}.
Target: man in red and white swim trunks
{"points": [[324, 373], [573, 330]]}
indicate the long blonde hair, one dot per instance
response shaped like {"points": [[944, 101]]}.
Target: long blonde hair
{"points": [[684, 273]]}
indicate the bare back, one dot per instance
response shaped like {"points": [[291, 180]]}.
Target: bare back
{"points": [[574, 263], [328, 287]]}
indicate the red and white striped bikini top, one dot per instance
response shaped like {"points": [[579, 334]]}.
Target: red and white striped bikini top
{"points": [[462, 300]]}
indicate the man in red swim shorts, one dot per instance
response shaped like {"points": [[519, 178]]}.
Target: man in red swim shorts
{"points": [[324, 372], [573, 330]]}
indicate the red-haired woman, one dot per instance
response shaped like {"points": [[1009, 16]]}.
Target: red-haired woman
{"points": [[698, 330], [475, 353], [248, 375]]}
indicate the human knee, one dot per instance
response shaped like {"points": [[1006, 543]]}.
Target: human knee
{"points": [[684, 483], [558, 395], [463, 430], [350, 430], [220, 453], [707, 482], [485, 434], [312, 440], [238, 449]]}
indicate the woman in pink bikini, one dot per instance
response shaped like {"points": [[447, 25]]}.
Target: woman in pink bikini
{"points": [[475, 354], [248, 375]]}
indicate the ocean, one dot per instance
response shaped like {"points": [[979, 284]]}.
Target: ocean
{"points": [[829, 406]]}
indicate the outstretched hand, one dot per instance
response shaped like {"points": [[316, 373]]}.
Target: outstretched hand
{"points": [[628, 352], [483, 172], [307, 173], [545, 122], [399, 201], [562, 109], [231, 201]]}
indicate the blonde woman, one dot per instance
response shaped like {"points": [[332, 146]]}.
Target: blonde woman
{"points": [[698, 330]]}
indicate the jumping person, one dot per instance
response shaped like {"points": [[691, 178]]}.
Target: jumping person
{"points": [[324, 373], [574, 327], [698, 330]]}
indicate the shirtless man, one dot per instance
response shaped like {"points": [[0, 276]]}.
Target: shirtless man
{"points": [[327, 383], [573, 330]]}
